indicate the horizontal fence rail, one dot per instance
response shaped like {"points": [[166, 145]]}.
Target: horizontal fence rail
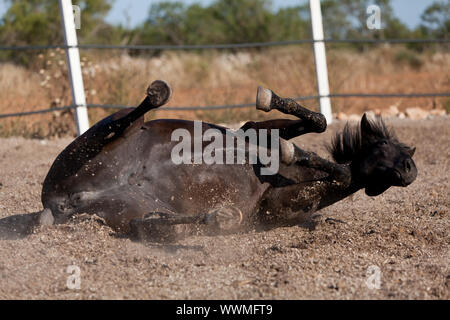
{"points": [[226, 46], [233, 106], [222, 46]]}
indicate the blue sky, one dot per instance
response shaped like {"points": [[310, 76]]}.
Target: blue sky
{"points": [[408, 11]]}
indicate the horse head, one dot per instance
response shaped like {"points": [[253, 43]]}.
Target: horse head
{"points": [[378, 160]]}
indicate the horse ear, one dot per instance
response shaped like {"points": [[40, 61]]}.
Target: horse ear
{"points": [[366, 128], [411, 151]]}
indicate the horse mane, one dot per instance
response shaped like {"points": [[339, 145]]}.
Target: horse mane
{"points": [[348, 144]]}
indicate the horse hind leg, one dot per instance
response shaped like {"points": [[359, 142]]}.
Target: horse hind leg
{"points": [[159, 227], [169, 227]]}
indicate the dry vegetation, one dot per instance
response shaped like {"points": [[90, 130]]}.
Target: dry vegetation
{"points": [[216, 78]]}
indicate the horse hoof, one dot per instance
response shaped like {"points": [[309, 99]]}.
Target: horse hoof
{"points": [[263, 99], [159, 93], [46, 218], [227, 218]]}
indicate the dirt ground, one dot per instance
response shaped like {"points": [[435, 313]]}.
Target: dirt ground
{"points": [[404, 233]]}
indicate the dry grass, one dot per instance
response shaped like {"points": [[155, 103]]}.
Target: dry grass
{"points": [[215, 78]]}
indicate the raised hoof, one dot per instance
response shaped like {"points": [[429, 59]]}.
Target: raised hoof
{"points": [[263, 99], [226, 218], [159, 93], [287, 151]]}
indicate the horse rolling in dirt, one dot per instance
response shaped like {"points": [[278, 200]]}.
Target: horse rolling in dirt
{"points": [[121, 169]]}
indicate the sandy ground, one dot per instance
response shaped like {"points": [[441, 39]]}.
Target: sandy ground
{"points": [[404, 232]]}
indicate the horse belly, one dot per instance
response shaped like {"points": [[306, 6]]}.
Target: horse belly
{"points": [[193, 189]]}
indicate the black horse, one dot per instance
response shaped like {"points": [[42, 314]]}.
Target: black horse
{"points": [[121, 169]]}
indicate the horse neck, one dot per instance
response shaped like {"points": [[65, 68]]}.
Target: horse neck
{"points": [[334, 194], [356, 182]]}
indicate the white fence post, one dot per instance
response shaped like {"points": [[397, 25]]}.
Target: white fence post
{"points": [[73, 62], [320, 59]]}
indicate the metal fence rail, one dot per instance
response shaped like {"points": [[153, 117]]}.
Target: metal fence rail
{"points": [[233, 106], [221, 46]]}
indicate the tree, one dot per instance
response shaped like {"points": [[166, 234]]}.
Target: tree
{"points": [[436, 19], [288, 24], [244, 21], [165, 23], [37, 22], [223, 21]]}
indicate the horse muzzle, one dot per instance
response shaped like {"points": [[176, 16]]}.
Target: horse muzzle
{"points": [[405, 173]]}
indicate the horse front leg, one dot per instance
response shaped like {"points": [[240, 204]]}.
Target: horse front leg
{"points": [[290, 154], [288, 129], [267, 100], [309, 121]]}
